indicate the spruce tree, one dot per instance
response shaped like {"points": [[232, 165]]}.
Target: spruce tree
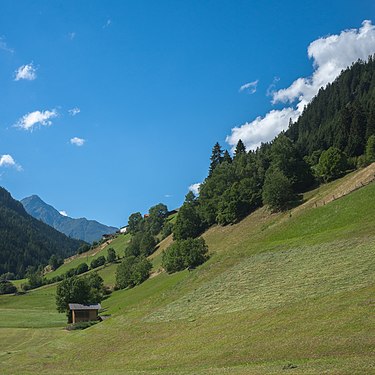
{"points": [[216, 157], [240, 149], [227, 157]]}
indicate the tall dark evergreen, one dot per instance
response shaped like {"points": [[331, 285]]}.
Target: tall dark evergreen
{"points": [[226, 157], [216, 157], [240, 149]]}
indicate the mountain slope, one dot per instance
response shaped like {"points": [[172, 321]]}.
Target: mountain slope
{"points": [[26, 241], [286, 292], [83, 229]]}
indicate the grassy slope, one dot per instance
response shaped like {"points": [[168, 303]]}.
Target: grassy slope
{"points": [[119, 244], [284, 288]]}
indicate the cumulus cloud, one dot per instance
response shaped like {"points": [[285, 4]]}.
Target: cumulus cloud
{"points": [[74, 111], [63, 213], [8, 161], [27, 72], [195, 188], [33, 119], [250, 87], [262, 129], [77, 141], [330, 55]]}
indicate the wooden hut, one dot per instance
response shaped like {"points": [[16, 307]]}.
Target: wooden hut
{"points": [[83, 313]]}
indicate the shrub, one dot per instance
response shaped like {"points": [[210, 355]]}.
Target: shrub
{"points": [[277, 190], [81, 268], [95, 263], [111, 257], [6, 287], [184, 254], [132, 271], [332, 163]]}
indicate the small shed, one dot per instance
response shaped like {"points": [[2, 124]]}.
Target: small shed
{"points": [[83, 313]]}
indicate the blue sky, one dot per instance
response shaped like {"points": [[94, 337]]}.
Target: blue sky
{"points": [[110, 107]]}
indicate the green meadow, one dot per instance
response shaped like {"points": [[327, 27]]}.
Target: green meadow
{"points": [[281, 293]]}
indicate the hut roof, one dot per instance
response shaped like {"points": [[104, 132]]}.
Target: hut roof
{"points": [[78, 306]]}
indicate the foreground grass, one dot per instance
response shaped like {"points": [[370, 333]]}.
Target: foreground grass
{"points": [[282, 293]]}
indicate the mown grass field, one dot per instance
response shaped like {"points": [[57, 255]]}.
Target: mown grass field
{"points": [[281, 293]]}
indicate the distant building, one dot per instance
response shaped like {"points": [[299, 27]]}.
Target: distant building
{"points": [[124, 229], [83, 313], [106, 237]]}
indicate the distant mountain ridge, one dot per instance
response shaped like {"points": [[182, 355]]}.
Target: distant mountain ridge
{"points": [[82, 228], [25, 241]]}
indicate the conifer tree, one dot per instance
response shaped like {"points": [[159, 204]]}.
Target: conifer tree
{"points": [[240, 149], [227, 157], [216, 157]]}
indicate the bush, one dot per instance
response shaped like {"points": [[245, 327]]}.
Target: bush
{"points": [[277, 190], [6, 287], [95, 263], [84, 248], [81, 325], [81, 268], [332, 163], [111, 257], [184, 254], [132, 271]]}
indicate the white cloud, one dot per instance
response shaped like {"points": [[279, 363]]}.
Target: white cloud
{"points": [[195, 188], [27, 72], [167, 196], [262, 129], [250, 87], [77, 141], [63, 213], [330, 55], [72, 35], [8, 161], [32, 119], [74, 111]]}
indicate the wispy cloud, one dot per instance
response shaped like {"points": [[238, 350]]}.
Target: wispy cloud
{"points": [[107, 23], [195, 188], [27, 72], [74, 111], [77, 141], [72, 35], [4, 46], [271, 88], [8, 161], [250, 87], [36, 118], [167, 196], [330, 55]]}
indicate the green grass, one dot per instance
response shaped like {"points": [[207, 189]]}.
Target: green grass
{"points": [[119, 244], [278, 289]]}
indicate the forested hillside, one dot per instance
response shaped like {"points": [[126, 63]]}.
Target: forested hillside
{"points": [[335, 134], [341, 115], [26, 241]]}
